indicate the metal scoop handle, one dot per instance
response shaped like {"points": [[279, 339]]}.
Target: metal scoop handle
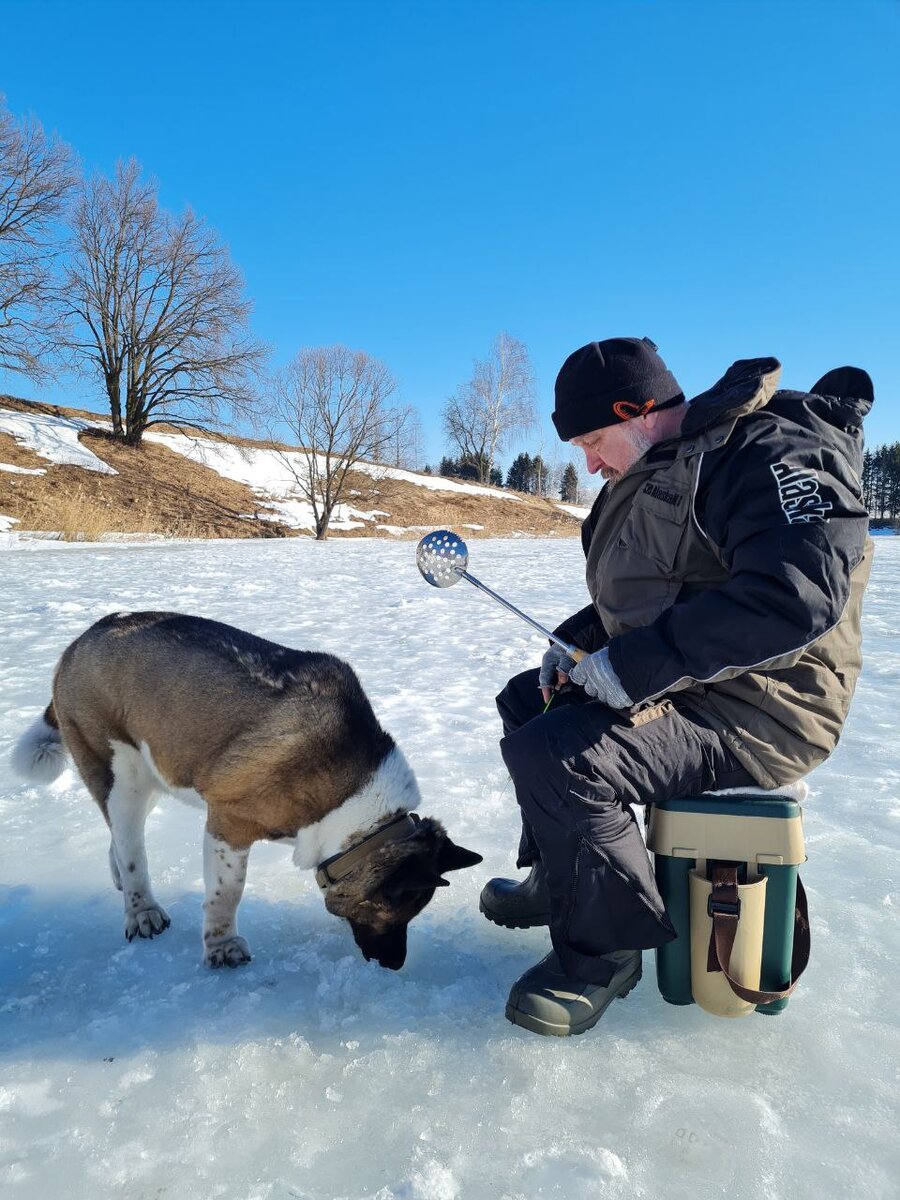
{"points": [[442, 557], [572, 651]]}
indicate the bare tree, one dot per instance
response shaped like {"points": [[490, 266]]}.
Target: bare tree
{"points": [[156, 309], [497, 402], [36, 178], [334, 401], [403, 447]]}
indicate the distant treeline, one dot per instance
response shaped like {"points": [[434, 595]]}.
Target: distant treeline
{"points": [[527, 473], [881, 482]]}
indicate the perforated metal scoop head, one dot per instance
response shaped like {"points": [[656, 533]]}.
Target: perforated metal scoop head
{"points": [[442, 557]]}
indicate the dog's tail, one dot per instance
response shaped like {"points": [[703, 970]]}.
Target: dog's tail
{"points": [[40, 754]]}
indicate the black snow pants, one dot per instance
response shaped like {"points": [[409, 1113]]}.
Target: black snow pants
{"points": [[577, 771]]}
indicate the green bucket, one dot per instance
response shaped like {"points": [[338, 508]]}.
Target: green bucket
{"points": [[759, 833]]}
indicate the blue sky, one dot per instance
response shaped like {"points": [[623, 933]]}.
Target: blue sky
{"points": [[412, 178]]}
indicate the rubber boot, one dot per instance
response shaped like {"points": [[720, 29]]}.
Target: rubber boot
{"points": [[517, 905], [547, 1001]]}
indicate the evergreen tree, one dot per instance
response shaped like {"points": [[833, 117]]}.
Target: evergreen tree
{"points": [[568, 491], [881, 482], [519, 473]]}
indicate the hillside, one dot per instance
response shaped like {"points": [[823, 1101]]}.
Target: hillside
{"points": [[61, 472]]}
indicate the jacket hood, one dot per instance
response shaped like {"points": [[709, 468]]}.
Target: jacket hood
{"points": [[835, 404], [747, 385], [842, 397]]}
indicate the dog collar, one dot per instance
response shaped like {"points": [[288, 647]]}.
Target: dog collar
{"points": [[339, 865]]}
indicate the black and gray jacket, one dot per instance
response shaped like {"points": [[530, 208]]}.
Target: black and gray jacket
{"points": [[728, 565]]}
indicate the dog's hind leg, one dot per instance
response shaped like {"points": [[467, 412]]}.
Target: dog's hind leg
{"points": [[128, 803], [224, 873], [95, 770]]}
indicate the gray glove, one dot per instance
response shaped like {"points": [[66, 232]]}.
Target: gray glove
{"points": [[595, 674], [555, 659]]}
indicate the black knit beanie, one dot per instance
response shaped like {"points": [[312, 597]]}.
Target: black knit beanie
{"points": [[611, 381]]}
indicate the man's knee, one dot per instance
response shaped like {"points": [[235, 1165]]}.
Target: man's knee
{"points": [[527, 753], [520, 700]]}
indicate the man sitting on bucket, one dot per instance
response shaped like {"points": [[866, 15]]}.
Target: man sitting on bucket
{"points": [[726, 561]]}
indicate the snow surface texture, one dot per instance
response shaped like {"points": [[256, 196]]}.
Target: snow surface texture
{"points": [[131, 1071], [54, 438], [11, 470]]}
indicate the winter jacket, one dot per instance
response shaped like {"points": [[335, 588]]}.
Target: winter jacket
{"points": [[728, 565]]}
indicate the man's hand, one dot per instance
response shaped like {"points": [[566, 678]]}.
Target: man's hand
{"points": [[595, 674], [555, 668]]}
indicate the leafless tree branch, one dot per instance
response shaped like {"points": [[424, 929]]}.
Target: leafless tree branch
{"points": [[334, 401], [37, 175], [156, 306]]}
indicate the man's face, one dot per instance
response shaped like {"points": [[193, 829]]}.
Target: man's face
{"points": [[614, 449]]}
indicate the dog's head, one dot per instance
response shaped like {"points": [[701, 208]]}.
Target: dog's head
{"points": [[381, 895]]}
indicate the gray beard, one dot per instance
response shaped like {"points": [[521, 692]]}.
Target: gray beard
{"points": [[641, 444]]}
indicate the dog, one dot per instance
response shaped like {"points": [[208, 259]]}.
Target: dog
{"points": [[275, 744]]}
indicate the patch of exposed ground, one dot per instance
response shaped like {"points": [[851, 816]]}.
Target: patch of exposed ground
{"points": [[418, 509]]}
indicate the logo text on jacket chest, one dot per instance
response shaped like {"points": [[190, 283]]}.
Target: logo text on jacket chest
{"points": [[661, 493], [799, 494]]}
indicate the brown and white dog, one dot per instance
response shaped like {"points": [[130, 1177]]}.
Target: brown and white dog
{"points": [[275, 744]]}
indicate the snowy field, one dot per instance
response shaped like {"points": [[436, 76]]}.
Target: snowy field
{"points": [[131, 1071]]}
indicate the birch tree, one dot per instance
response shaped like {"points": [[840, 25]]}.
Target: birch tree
{"points": [[36, 178], [493, 405], [403, 447]]}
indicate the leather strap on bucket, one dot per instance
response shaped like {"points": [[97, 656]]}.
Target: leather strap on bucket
{"points": [[724, 907]]}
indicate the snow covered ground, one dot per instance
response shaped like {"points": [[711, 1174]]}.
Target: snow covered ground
{"points": [[53, 438], [130, 1071], [274, 475]]}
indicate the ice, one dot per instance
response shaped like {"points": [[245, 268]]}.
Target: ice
{"points": [[129, 1070]]}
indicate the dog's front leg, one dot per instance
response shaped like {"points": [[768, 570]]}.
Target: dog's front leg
{"points": [[224, 872]]}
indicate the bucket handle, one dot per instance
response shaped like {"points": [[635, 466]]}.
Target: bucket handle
{"points": [[724, 908]]}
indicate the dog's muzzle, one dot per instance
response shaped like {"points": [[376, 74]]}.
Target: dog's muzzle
{"points": [[388, 949]]}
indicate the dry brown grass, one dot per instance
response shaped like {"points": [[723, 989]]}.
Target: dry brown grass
{"points": [[79, 516]]}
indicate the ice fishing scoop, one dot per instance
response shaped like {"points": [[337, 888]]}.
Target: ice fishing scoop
{"points": [[443, 556]]}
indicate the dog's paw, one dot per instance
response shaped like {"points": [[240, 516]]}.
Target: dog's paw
{"points": [[233, 953], [146, 922]]}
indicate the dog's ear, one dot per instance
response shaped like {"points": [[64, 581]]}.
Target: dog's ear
{"points": [[454, 858], [412, 875]]}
